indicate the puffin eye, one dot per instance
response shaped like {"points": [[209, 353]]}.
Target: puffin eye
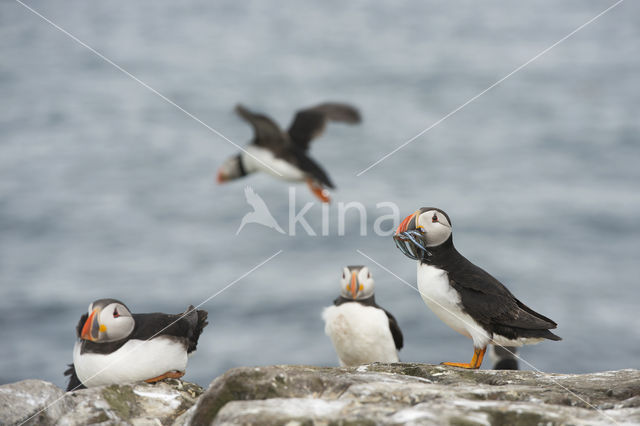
{"points": [[343, 276], [434, 218], [368, 274], [115, 313]]}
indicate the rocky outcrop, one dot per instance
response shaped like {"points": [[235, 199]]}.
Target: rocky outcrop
{"points": [[41, 403], [374, 394], [417, 394]]}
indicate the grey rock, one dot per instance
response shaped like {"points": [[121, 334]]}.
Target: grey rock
{"points": [[391, 394], [416, 394], [135, 404], [25, 401]]}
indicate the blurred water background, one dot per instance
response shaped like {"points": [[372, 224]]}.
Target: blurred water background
{"points": [[106, 190]]}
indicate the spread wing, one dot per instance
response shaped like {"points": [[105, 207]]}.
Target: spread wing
{"points": [[310, 123], [266, 132]]}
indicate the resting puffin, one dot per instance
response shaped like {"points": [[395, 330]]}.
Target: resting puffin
{"points": [[285, 154], [461, 294], [361, 331], [115, 346]]}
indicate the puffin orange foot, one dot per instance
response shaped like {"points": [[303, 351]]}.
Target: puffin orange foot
{"points": [[168, 375], [459, 364], [476, 361], [319, 191]]}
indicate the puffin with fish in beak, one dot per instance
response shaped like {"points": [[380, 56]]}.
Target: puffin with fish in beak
{"points": [[464, 296]]}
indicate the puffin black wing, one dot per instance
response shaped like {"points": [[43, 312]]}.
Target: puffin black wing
{"points": [[198, 320], [395, 330], [308, 165], [188, 325], [310, 123], [74, 382], [492, 304], [267, 134]]}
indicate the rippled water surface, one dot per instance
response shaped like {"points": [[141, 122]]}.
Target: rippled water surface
{"points": [[108, 190]]}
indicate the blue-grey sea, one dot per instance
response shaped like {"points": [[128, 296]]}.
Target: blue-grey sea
{"points": [[108, 190]]}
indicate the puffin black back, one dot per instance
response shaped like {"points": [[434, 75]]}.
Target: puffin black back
{"points": [[486, 299]]}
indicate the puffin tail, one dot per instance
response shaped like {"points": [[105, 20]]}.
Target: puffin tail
{"points": [[549, 335], [198, 318], [74, 381]]}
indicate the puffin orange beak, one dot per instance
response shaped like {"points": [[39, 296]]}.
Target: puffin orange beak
{"points": [[404, 225], [91, 327], [354, 285], [409, 238], [220, 178]]}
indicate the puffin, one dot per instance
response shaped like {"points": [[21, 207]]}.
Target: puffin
{"points": [[361, 331], [464, 296], [504, 357], [115, 346], [285, 154]]}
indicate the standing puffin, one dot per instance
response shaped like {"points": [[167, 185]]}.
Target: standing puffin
{"points": [[285, 154], [115, 346], [461, 294], [361, 331]]}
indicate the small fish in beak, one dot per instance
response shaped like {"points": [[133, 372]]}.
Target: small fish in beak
{"points": [[409, 239]]}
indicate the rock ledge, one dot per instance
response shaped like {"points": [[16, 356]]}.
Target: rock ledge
{"points": [[390, 394]]}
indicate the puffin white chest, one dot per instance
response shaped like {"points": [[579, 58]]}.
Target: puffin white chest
{"points": [[257, 159], [444, 301], [360, 334], [136, 360]]}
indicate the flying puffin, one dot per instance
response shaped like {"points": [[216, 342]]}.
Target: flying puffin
{"points": [[361, 331], [461, 294], [115, 346], [285, 154]]}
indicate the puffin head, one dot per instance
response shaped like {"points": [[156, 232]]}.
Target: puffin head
{"points": [[231, 169], [427, 227], [108, 320], [356, 283]]}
